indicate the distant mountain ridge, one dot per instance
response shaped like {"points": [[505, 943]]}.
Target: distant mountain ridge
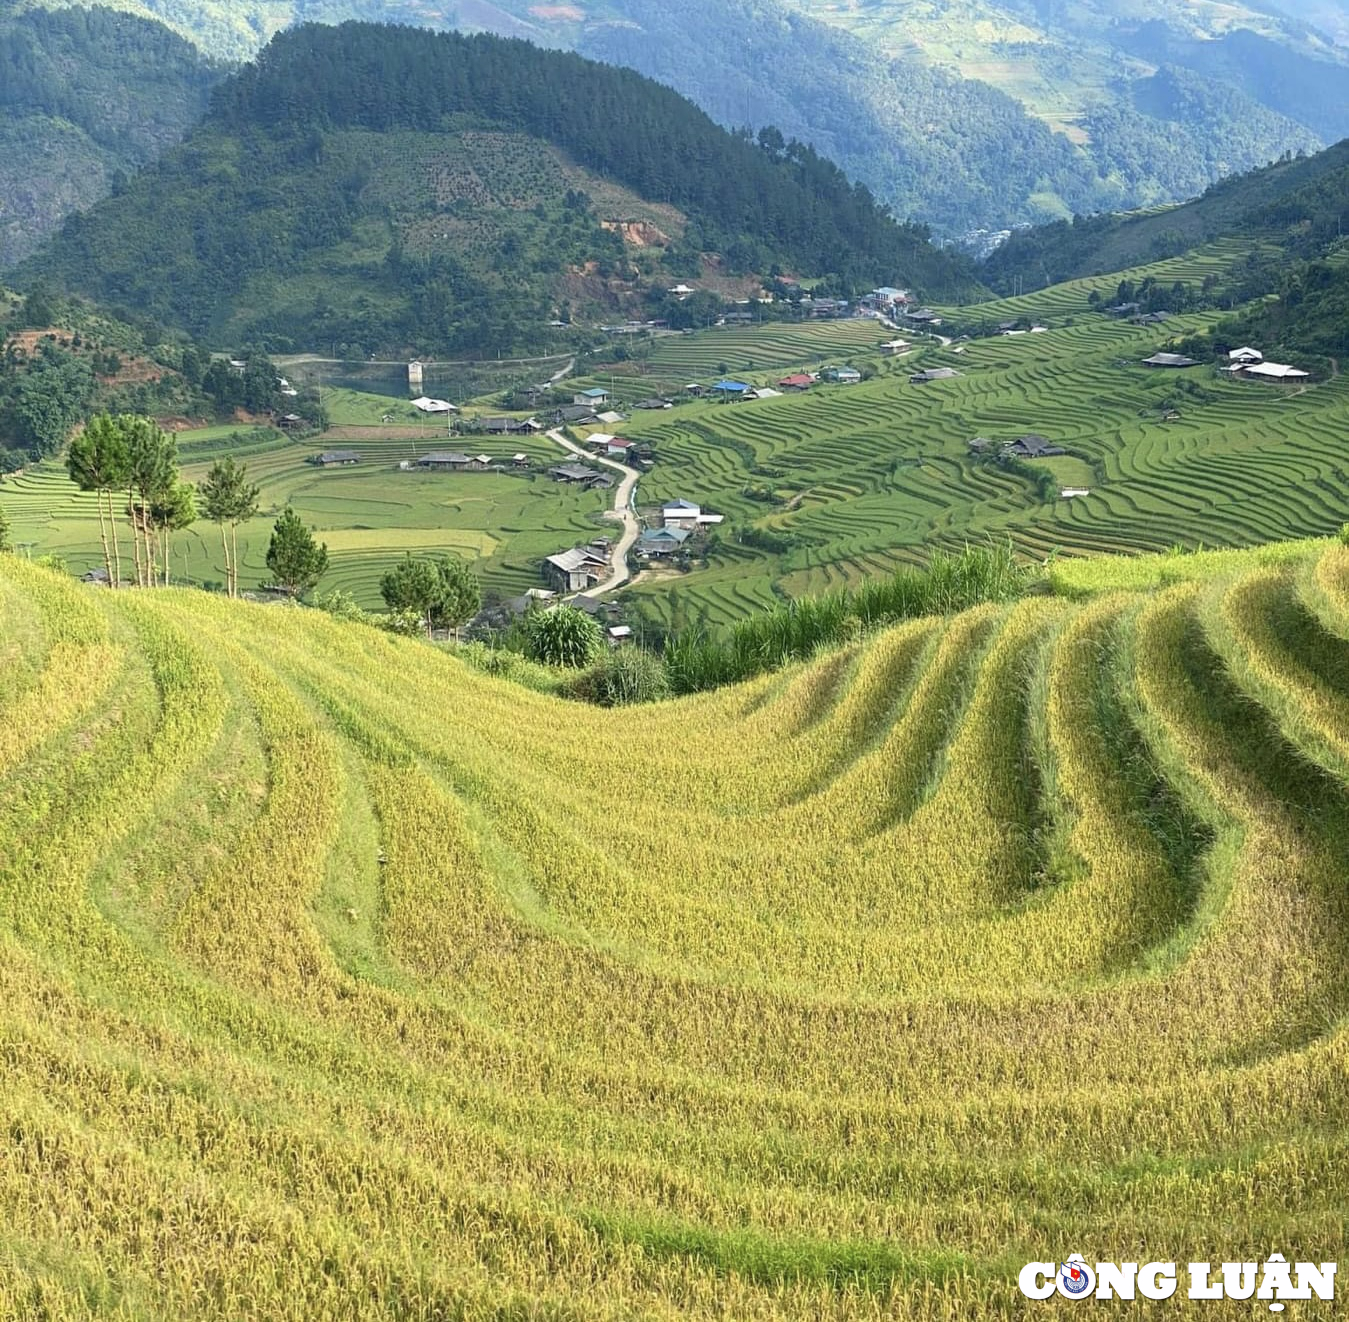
{"points": [[958, 153]]}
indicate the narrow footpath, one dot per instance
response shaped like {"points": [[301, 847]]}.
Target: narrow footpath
{"points": [[622, 511]]}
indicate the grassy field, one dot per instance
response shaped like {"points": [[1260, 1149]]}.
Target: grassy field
{"points": [[368, 515], [336, 981]]}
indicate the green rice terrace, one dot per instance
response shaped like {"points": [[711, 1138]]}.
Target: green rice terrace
{"points": [[826, 487], [337, 981]]}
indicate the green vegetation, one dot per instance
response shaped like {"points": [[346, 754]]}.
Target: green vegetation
{"points": [[296, 558], [342, 978], [87, 96], [388, 234], [562, 636]]}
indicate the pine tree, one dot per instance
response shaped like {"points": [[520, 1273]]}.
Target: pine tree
{"points": [[297, 560], [99, 461], [227, 497]]}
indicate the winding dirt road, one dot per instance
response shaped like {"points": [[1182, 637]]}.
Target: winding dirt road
{"points": [[622, 511]]}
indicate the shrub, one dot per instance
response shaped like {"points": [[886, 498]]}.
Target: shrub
{"points": [[563, 636], [626, 675]]}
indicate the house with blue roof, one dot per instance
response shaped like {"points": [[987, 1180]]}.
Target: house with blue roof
{"points": [[731, 389], [662, 541], [594, 396]]}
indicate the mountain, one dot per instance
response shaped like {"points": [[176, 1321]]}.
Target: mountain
{"points": [[1299, 204], [950, 111], [397, 188], [86, 96]]}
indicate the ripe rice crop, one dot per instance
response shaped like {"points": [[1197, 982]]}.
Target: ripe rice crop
{"points": [[340, 980]]}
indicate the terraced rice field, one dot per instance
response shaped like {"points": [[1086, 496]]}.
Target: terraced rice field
{"points": [[369, 514], [872, 475], [338, 980], [776, 345]]}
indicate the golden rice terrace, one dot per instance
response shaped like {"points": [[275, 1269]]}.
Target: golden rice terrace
{"points": [[339, 981]]}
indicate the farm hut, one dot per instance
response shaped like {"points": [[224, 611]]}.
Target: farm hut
{"points": [[444, 459], [520, 460], [662, 541], [1071, 493], [289, 420], [764, 392], [594, 397], [921, 317], [1245, 356], [652, 404], [933, 374], [1169, 360], [731, 390], [618, 634], [574, 570], [693, 388], [797, 381], [1275, 372], [333, 458], [482, 461], [574, 414], [893, 348], [980, 444], [844, 376], [617, 447], [424, 405], [531, 598], [573, 473], [596, 606], [1123, 310], [1033, 447], [610, 417]]}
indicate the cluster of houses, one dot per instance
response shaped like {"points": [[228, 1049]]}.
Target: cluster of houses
{"points": [[1250, 364], [1245, 364], [680, 520], [579, 475], [1134, 312], [1030, 446]]}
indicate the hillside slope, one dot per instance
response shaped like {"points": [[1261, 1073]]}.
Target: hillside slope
{"points": [[381, 186], [86, 97], [335, 984], [1299, 203]]}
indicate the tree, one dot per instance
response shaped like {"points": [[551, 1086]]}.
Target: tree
{"points": [[563, 636], [295, 557], [227, 497], [459, 594], [444, 594], [171, 512], [153, 472], [412, 585], [98, 460]]}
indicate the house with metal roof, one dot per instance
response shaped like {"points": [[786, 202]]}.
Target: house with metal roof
{"points": [[1033, 447], [595, 396], [573, 473], [329, 458], [1169, 360], [933, 374], [444, 459], [797, 381], [731, 389], [574, 570], [662, 541]]}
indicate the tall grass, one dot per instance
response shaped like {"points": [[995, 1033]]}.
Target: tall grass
{"points": [[952, 581]]}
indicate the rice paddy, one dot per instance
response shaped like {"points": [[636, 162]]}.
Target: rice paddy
{"points": [[339, 980]]}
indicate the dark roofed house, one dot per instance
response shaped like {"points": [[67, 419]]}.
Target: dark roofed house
{"points": [[653, 404], [1123, 309], [980, 444], [499, 426], [575, 413], [330, 457], [444, 459], [573, 473], [1169, 360], [1033, 447]]}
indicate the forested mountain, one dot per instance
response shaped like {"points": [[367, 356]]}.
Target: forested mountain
{"points": [[887, 100], [86, 96], [396, 188], [1300, 204]]}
